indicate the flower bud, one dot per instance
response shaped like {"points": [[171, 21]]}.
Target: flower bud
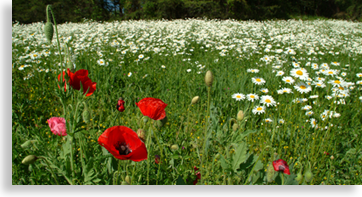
{"points": [[235, 127], [308, 176], [174, 147], [86, 115], [270, 173], [48, 31], [240, 115], [299, 177], [209, 78], [145, 119], [141, 134], [120, 104], [332, 157], [124, 183], [195, 100], [30, 159], [28, 143], [128, 180]]}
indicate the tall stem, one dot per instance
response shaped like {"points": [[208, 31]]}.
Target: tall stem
{"points": [[56, 31], [205, 134]]}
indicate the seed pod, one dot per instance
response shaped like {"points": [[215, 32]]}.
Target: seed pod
{"points": [[299, 177], [195, 100], [124, 183], [209, 78], [48, 31], [30, 159]]}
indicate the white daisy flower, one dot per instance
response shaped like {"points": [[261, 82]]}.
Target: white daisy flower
{"points": [[188, 70], [267, 100], [141, 56], [252, 97], [280, 73], [303, 88], [288, 80], [313, 96], [258, 80], [284, 90], [281, 121], [335, 63], [163, 66], [319, 84], [264, 90], [307, 107], [129, 74], [101, 62], [238, 96], [309, 113], [300, 73], [313, 123], [252, 70], [315, 66], [259, 110], [268, 120]]}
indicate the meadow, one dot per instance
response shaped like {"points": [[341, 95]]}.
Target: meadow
{"points": [[277, 89]]}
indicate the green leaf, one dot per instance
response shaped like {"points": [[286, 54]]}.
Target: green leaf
{"points": [[223, 162], [240, 156], [290, 179], [180, 181], [258, 166]]}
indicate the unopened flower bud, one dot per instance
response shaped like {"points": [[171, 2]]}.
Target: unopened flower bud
{"points": [[128, 180], [240, 115], [299, 177], [141, 134], [174, 147], [195, 100], [235, 127], [124, 183], [86, 115], [308, 176], [28, 143], [270, 173], [332, 157], [48, 31], [30, 159], [209, 78]]}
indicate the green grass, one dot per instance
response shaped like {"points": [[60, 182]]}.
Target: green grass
{"points": [[239, 156]]}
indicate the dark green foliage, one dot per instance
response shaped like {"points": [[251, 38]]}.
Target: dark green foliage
{"points": [[103, 10]]}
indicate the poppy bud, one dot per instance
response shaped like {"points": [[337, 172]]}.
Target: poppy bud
{"points": [[332, 157], [235, 127], [240, 115], [174, 147], [195, 100], [299, 177], [145, 119], [124, 183], [120, 105], [86, 115], [128, 180], [270, 173], [48, 31], [308, 176], [141, 134], [30, 159], [209, 78], [28, 143]]}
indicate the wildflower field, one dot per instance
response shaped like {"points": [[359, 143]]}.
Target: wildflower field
{"points": [[187, 102]]}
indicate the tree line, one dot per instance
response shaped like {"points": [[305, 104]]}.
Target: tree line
{"points": [[29, 11]]}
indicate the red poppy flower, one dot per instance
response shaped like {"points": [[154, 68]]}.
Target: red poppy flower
{"points": [[281, 165], [198, 176], [123, 143], [153, 108], [120, 105], [78, 78]]}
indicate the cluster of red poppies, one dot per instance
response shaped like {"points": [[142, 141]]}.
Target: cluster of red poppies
{"points": [[122, 142]]}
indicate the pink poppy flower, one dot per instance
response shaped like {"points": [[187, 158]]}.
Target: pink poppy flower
{"points": [[57, 126]]}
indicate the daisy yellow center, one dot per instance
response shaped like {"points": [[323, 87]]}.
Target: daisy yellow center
{"points": [[285, 90], [268, 100], [335, 62], [337, 81], [259, 108], [252, 96], [330, 72], [238, 96], [101, 62], [258, 80], [299, 72], [318, 84], [341, 88], [302, 87], [287, 80], [266, 120]]}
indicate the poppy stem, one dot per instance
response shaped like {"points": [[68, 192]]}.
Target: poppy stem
{"points": [[205, 135], [51, 169], [159, 146], [282, 177], [56, 33]]}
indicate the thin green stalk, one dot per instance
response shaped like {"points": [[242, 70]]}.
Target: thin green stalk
{"points": [[56, 32], [159, 145], [51, 170], [282, 177], [205, 134], [252, 170]]}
